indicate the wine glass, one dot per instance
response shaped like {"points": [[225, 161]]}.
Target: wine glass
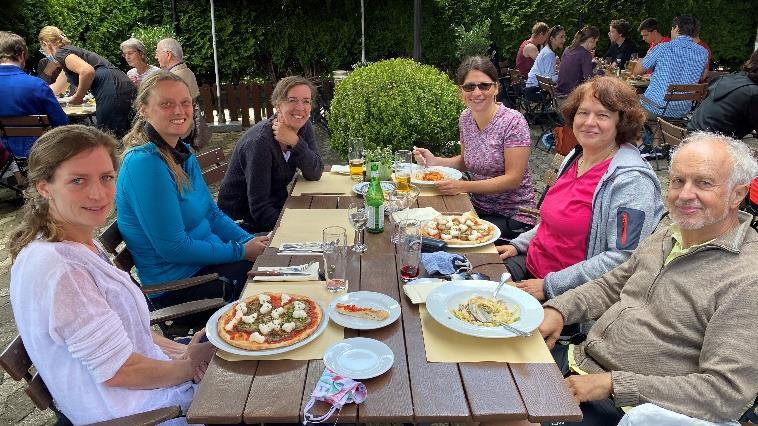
{"points": [[358, 216]]}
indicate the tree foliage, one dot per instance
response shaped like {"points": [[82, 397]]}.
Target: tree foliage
{"points": [[313, 37]]}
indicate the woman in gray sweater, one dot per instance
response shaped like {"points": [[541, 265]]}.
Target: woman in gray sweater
{"points": [[606, 199]]}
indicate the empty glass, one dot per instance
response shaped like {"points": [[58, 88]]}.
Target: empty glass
{"points": [[409, 248], [358, 217], [399, 202], [335, 258]]}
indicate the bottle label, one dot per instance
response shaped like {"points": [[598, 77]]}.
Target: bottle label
{"points": [[375, 218]]}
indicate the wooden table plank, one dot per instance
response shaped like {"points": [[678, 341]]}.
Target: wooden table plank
{"points": [[545, 393], [389, 394], [324, 202], [222, 394], [349, 413], [301, 202], [457, 203], [436, 202], [276, 392]]}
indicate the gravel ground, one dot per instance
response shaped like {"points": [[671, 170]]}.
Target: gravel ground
{"points": [[15, 406]]}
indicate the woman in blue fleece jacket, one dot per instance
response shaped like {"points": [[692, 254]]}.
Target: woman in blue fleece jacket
{"points": [[165, 213]]}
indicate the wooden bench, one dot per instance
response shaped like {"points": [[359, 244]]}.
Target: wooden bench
{"points": [[16, 362], [213, 164]]}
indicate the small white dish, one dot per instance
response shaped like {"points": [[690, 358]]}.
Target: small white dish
{"points": [[361, 188], [368, 299], [359, 358]]}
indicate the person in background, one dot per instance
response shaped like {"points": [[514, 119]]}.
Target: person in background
{"points": [[622, 47], [170, 57], [135, 55], [545, 64], [167, 216], [88, 330], [731, 107], [23, 94], [605, 201], [680, 61], [48, 70], [576, 62], [495, 145], [529, 48], [675, 322], [266, 157], [649, 31], [88, 71]]}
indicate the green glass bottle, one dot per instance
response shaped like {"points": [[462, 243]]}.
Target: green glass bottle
{"points": [[375, 202]]}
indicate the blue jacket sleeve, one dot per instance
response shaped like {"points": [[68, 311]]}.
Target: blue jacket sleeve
{"points": [[221, 224], [306, 154], [151, 191], [51, 106]]}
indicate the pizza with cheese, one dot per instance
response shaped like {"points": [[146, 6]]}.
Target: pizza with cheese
{"points": [[269, 320], [362, 312], [464, 229]]}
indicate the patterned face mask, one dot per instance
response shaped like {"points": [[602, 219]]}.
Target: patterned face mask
{"points": [[336, 391]]}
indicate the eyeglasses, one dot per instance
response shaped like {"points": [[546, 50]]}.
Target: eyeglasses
{"points": [[294, 101], [484, 86]]}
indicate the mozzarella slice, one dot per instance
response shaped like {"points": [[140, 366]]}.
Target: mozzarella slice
{"points": [[277, 321], [446, 237], [266, 308], [256, 337], [264, 298], [232, 323], [285, 298], [299, 305], [289, 326], [242, 307], [276, 313], [299, 314], [266, 328], [249, 319]]}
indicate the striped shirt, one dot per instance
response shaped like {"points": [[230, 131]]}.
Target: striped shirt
{"points": [[680, 61]]}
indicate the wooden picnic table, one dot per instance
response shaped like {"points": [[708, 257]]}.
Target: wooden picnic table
{"points": [[413, 390]]}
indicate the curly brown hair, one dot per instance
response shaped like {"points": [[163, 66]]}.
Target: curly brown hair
{"points": [[615, 95]]}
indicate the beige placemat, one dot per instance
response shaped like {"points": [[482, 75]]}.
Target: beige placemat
{"points": [[489, 248], [445, 345], [329, 184], [313, 350], [418, 292], [301, 225], [79, 110]]}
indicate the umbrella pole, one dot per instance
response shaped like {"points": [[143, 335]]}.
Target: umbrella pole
{"points": [[221, 115]]}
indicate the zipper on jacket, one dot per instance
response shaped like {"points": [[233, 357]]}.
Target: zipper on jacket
{"points": [[624, 222]]}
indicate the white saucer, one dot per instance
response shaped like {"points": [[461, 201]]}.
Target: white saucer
{"points": [[359, 358], [368, 299]]}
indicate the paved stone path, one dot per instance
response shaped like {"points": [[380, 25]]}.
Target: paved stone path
{"points": [[15, 406]]}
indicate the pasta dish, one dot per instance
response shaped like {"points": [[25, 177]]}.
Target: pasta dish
{"points": [[430, 176], [496, 308]]}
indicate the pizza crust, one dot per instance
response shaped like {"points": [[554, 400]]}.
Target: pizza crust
{"points": [[362, 312], [240, 339]]}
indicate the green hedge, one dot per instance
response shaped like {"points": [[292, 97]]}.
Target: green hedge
{"points": [[314, 37], [395, 103]]}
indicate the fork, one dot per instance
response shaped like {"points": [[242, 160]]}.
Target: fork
{"points": [[296, 268], [484, 316]]}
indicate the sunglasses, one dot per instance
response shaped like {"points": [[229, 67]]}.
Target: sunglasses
{"points": [[469, 87]]}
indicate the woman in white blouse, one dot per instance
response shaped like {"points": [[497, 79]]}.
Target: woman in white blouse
{"points": [[84, 323], [545, 64]]}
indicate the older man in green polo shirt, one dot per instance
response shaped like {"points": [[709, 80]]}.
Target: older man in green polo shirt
{"points": [[675, 324]]}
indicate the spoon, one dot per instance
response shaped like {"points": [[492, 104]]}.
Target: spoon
{"points": [[503, 278]]}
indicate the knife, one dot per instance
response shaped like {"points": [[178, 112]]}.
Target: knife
{"points": [[275, 273]]}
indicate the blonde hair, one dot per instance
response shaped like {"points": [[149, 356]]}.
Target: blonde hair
{"points": [[137, 137], [53, 35], [48, 153]]}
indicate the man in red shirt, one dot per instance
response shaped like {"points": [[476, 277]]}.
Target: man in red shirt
{"points": [[650, 34], [529, 48]]}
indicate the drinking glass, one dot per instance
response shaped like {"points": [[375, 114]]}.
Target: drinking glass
{"points": [[358, 216], [409, 248], [399, 201], [403, 167], [355, 157], [335, 258]]}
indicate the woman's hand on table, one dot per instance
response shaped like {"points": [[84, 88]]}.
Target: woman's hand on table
{"points": [[551, 327], [76, 100], [535, 287], [199, 354], [255, 247], [590, 387], [506, 251], [450, 187]]}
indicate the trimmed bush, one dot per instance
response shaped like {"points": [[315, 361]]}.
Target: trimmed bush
{"points": [[396, 103]]}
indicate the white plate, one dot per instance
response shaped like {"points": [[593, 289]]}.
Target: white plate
{"points": [[368, 299], [212, 332], [494, 238], [449, 172], [359, 358], [444, 299], [360, 188]]}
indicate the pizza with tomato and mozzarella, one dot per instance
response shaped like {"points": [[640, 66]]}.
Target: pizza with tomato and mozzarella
{"points": [[270, 320]]}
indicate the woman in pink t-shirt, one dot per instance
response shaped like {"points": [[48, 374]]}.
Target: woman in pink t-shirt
{"points": [[605, 201], [495, 146]]}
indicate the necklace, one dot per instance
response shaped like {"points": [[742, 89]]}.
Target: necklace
{"points": [[581, 168]]}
